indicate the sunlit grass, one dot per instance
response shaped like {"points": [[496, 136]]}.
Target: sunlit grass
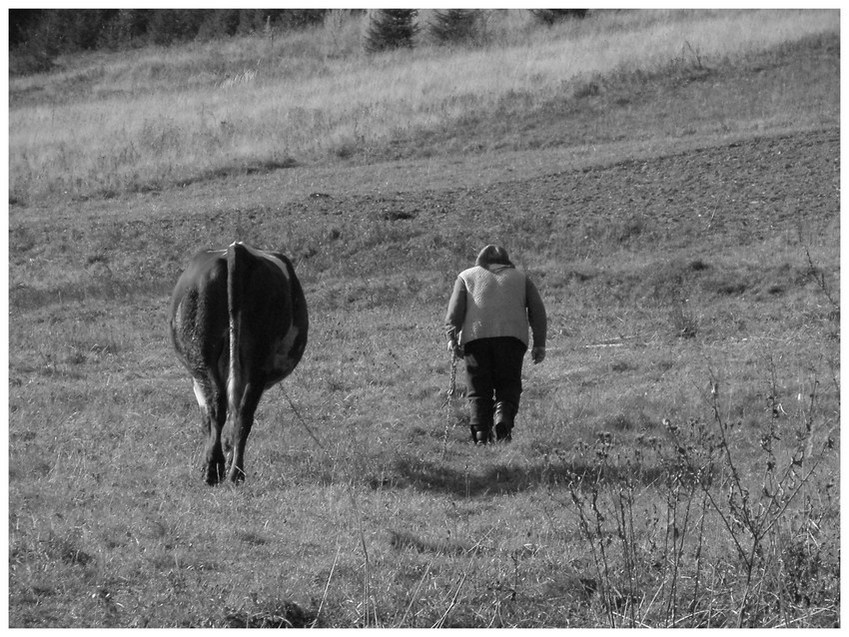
{"points": [[185, 112], [364, 503]]}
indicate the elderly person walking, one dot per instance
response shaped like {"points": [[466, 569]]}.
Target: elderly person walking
{"points": [[489, 313]]}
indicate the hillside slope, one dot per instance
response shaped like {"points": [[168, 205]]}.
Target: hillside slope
{"points": [[698, 200], [652, 269], [684, 99], [687, 248], [134, 132]]}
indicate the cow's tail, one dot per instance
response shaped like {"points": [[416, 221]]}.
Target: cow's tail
{"points": [[235, 285]]}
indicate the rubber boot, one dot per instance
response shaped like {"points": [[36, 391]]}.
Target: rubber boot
{"points": [[504, 415], [481, 435], [480, 421]]}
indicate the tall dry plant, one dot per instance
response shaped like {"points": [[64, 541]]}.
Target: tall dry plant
{"points": [[714, 494]]}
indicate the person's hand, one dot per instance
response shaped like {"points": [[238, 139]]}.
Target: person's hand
{"points": [[538, 354], [455, 349]]}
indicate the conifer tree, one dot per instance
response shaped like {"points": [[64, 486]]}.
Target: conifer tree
{"points": [[391, 29], [454, 26]]}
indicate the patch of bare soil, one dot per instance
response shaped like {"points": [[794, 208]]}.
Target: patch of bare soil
{"points": [[706, 198]]}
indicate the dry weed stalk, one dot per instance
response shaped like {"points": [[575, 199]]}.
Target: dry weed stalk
{"points": [[704, 482]]}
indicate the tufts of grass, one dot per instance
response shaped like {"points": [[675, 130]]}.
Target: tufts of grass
{"points": [[712, 550], [180, 118], [365, 504]]}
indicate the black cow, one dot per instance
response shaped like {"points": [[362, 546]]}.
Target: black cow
{"points": [[239, 324]]}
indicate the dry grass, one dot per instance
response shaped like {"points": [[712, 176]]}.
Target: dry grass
{"points": [[164, 117], [651, 303], [111, 525]]}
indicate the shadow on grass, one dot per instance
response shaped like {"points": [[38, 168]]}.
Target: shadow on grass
{"points": [[404, 540], [503, 479], [281, 615]]}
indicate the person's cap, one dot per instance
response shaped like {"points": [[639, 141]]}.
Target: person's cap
{"points": [[493, 254]]}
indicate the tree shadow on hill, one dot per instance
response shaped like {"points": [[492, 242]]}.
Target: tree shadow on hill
{"points": [[504, 479]]}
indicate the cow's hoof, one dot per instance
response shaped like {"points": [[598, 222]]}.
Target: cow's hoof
{"points": [[211, 477], [215, 472]]}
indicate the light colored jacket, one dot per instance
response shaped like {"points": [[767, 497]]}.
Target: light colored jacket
{"points": [[493, 301]]}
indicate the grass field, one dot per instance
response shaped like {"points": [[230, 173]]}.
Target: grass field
{"points": [[675, 461], [110, 124]]}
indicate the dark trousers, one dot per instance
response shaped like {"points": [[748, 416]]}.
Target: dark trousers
{"points": [[493, 375]]}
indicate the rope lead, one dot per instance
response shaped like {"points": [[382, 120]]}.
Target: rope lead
{"points": [[449, 399]]}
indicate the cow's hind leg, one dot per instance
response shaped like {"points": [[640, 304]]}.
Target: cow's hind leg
{"points": [[242, 423], [213, 406]]}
